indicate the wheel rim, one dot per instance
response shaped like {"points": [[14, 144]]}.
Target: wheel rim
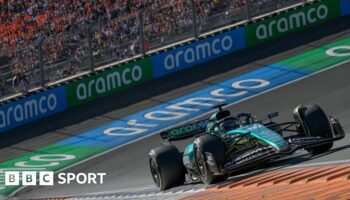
{"points": [[155, 172], [202, 167]]}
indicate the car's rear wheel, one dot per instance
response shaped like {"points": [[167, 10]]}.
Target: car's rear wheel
{"points": [[315, 122], [166, 167], [213, 145]]}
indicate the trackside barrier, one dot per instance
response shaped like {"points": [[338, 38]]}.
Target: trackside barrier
{"points": [[119, 78], [293, 21], [109, 82], [32, 108], [254, 34], [198, 52]]}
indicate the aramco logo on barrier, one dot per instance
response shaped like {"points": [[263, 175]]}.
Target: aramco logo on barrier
{"points": [[199, 52], [27, 110], [111, 81], [292, 22], [32, 108]]}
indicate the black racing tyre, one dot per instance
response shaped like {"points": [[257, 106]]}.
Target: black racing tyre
{"points": [[211, 144], [316, 123], [166, 167]]}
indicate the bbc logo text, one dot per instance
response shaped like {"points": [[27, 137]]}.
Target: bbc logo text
{"points": [[47, 178]]}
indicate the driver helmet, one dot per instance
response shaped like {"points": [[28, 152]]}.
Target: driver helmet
{"points": [[245, 118], [229, 124], [215, 117]]}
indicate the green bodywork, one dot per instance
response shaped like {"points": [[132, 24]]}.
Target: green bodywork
{"points": [[252, 131], [264, 134]]}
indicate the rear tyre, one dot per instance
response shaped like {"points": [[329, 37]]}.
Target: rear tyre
{"points": [[166, 167], [315, 123], [214, 146]]}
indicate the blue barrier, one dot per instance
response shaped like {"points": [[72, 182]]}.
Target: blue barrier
{"points": [[32, 108], [198, 52], [345, 7]]}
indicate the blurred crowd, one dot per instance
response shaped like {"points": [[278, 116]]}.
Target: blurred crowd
{"points": [[64, 24], [22, 21]]}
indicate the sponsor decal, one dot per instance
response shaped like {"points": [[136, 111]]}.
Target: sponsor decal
{"points": [[185, 107], [155, 119], [339, 51], [183, 130], [198, 52], [108, 82], [32, 108], [292, 21]]}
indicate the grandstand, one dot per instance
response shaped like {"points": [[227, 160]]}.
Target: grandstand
{"points": [[42, 41]]}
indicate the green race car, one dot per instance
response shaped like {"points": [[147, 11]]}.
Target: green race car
{"points": [[227, 143]]}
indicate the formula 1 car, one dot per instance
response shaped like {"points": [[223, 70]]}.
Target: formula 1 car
{"points": [[227, 143]]}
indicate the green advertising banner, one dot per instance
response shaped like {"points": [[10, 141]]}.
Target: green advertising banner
{"points": [[108, 82], [292, 21]]}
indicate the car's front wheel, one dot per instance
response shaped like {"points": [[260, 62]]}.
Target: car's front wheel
{"points": [[213, 145], [315, 122], [166, 167]]}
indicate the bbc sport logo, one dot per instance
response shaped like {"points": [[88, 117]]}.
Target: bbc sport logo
{"points": [[47, 178]]}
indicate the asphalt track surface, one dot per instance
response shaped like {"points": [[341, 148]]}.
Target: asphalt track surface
{"points": [[127, 167]]}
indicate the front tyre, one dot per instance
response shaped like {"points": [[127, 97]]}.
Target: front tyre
{"points": [[315, 122], [213, 145], [166, 167]]}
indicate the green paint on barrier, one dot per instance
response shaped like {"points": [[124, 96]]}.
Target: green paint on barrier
{"points": [[50, 158], [292, 21], [108, 82], [321, 57]]}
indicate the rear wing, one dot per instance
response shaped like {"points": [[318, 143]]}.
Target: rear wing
{"points": [[184, 132]]}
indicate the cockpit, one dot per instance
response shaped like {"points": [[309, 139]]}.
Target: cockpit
{"points": [[226, 122], [245, 119], [229, 123]]}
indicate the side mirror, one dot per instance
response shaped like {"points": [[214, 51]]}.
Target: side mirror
{"points": [[164, 136], [272, 115]]}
